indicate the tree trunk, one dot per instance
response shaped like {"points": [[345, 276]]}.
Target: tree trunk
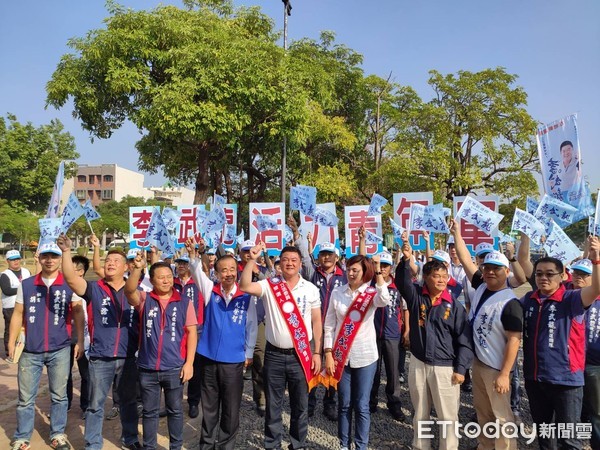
{"points": [[202, 183]]}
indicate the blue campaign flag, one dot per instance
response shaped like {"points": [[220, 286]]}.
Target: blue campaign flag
{"points": [[596, 221], [229, 233], [158, 235], [214, 222], [201, 215], [562, 213], [559, 245], [372, 238], [504, 238], [325, 218], [529, 225], [416, 221], [303, 199], [435, 219], [89, 211], [532, 205], [476, 213], [398, 231], [265, 222], [50, 229], [288, 234], [72, 211], [171, 218], [377, 202], [240, 238], [218, 200], [56, 192]]}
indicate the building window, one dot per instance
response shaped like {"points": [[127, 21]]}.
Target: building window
{"points": [[108, 178], [81, 179], [107, 194], [80, 194]]}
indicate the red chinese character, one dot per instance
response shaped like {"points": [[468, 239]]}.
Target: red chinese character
{"points": [[473, 235], [187, 224], [141, 221], [273, 239], [358, 219]]}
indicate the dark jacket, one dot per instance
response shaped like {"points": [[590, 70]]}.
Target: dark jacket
{"points": [[439, 334]]}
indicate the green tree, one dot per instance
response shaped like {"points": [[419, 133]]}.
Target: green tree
{"points": [[114, 215], [29, 160], [18, 222], [475, 135]]}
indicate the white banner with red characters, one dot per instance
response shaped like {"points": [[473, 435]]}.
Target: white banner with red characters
{"points": [[187, 225], [355, 217], [321, 233], [470, 233], [402, 204], [139, 219], [273, 239]]}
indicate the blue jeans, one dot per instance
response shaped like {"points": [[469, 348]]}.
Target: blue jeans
{"points": [[553, 403], [281, 369], [591, 401], [354, 391], [151, 383], [30, 372], [102, 373]]}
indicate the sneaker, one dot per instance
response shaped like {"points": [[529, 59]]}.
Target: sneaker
{"points": [[134, 446], [20, 445], [140, 410], [59, 442], [401, 379], [112, 414]]}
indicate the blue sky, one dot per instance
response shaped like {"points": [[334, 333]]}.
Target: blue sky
{"points": [[553, 46]]}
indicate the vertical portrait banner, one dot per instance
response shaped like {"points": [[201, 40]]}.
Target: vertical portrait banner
{"points": [[273, 239], [470, 233], [321, 233], [402, 204], [560, 161], [355, 217]]}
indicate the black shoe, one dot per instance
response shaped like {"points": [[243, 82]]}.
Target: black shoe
{"points": [[373, 409], [162, 413], [193, 412], [134, 446], [398, 415], [466, 387]]}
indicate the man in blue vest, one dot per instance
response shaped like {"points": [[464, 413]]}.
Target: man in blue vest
{"points": [[226, 348], [113, 327], [167, 347], [44, 307]]}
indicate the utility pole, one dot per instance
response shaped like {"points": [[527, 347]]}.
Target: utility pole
{"points": [[287, 11]]}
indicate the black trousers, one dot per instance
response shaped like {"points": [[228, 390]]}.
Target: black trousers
{"points": [[221, 391], [389, 353]]}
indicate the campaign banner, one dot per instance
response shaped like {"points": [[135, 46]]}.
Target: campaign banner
{"points": [[303, 199], [560, 161], [562, 213], [529, 225], [471, 234], [355, 217], [377, 203], [188, 223], [559, 245], [59, 182], [171, 217], [478, 214], [320, 230], [139, 220], [158, 235], [50, 229], [273, 239], [71, 212], [532, 205], [402, 203]]}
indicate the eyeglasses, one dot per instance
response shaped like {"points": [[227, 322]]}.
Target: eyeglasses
{"points": [[492, 268], [580, 274], [546, 274]]}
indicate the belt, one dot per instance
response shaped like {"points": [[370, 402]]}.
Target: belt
{"points": [[285, 351]]}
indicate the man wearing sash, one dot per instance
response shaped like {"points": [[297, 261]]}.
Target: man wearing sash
{"points": [[114, 332], [496, 319], [350, 346], [441, 351], [292, 305]]}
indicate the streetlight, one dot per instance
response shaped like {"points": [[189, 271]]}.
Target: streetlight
{"points": [[287, 11]]}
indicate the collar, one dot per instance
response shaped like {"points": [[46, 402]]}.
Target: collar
{"points": [[444, 296], [217, 289], [103, 284], [337, 272], [451, 281], [39, 282], [178, 281], [556, 296], [175, 296], [391, 284]]}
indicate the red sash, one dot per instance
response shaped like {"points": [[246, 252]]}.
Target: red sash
{"points": [[295, 323], [348, 331]]}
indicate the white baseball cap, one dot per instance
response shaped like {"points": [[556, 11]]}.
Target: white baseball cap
{"points": [[13, 254], [441, 255], [132, 253], [247, 245], [386, 258], [50, 247], [584, 265], [496, 258], [483, 248]]}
